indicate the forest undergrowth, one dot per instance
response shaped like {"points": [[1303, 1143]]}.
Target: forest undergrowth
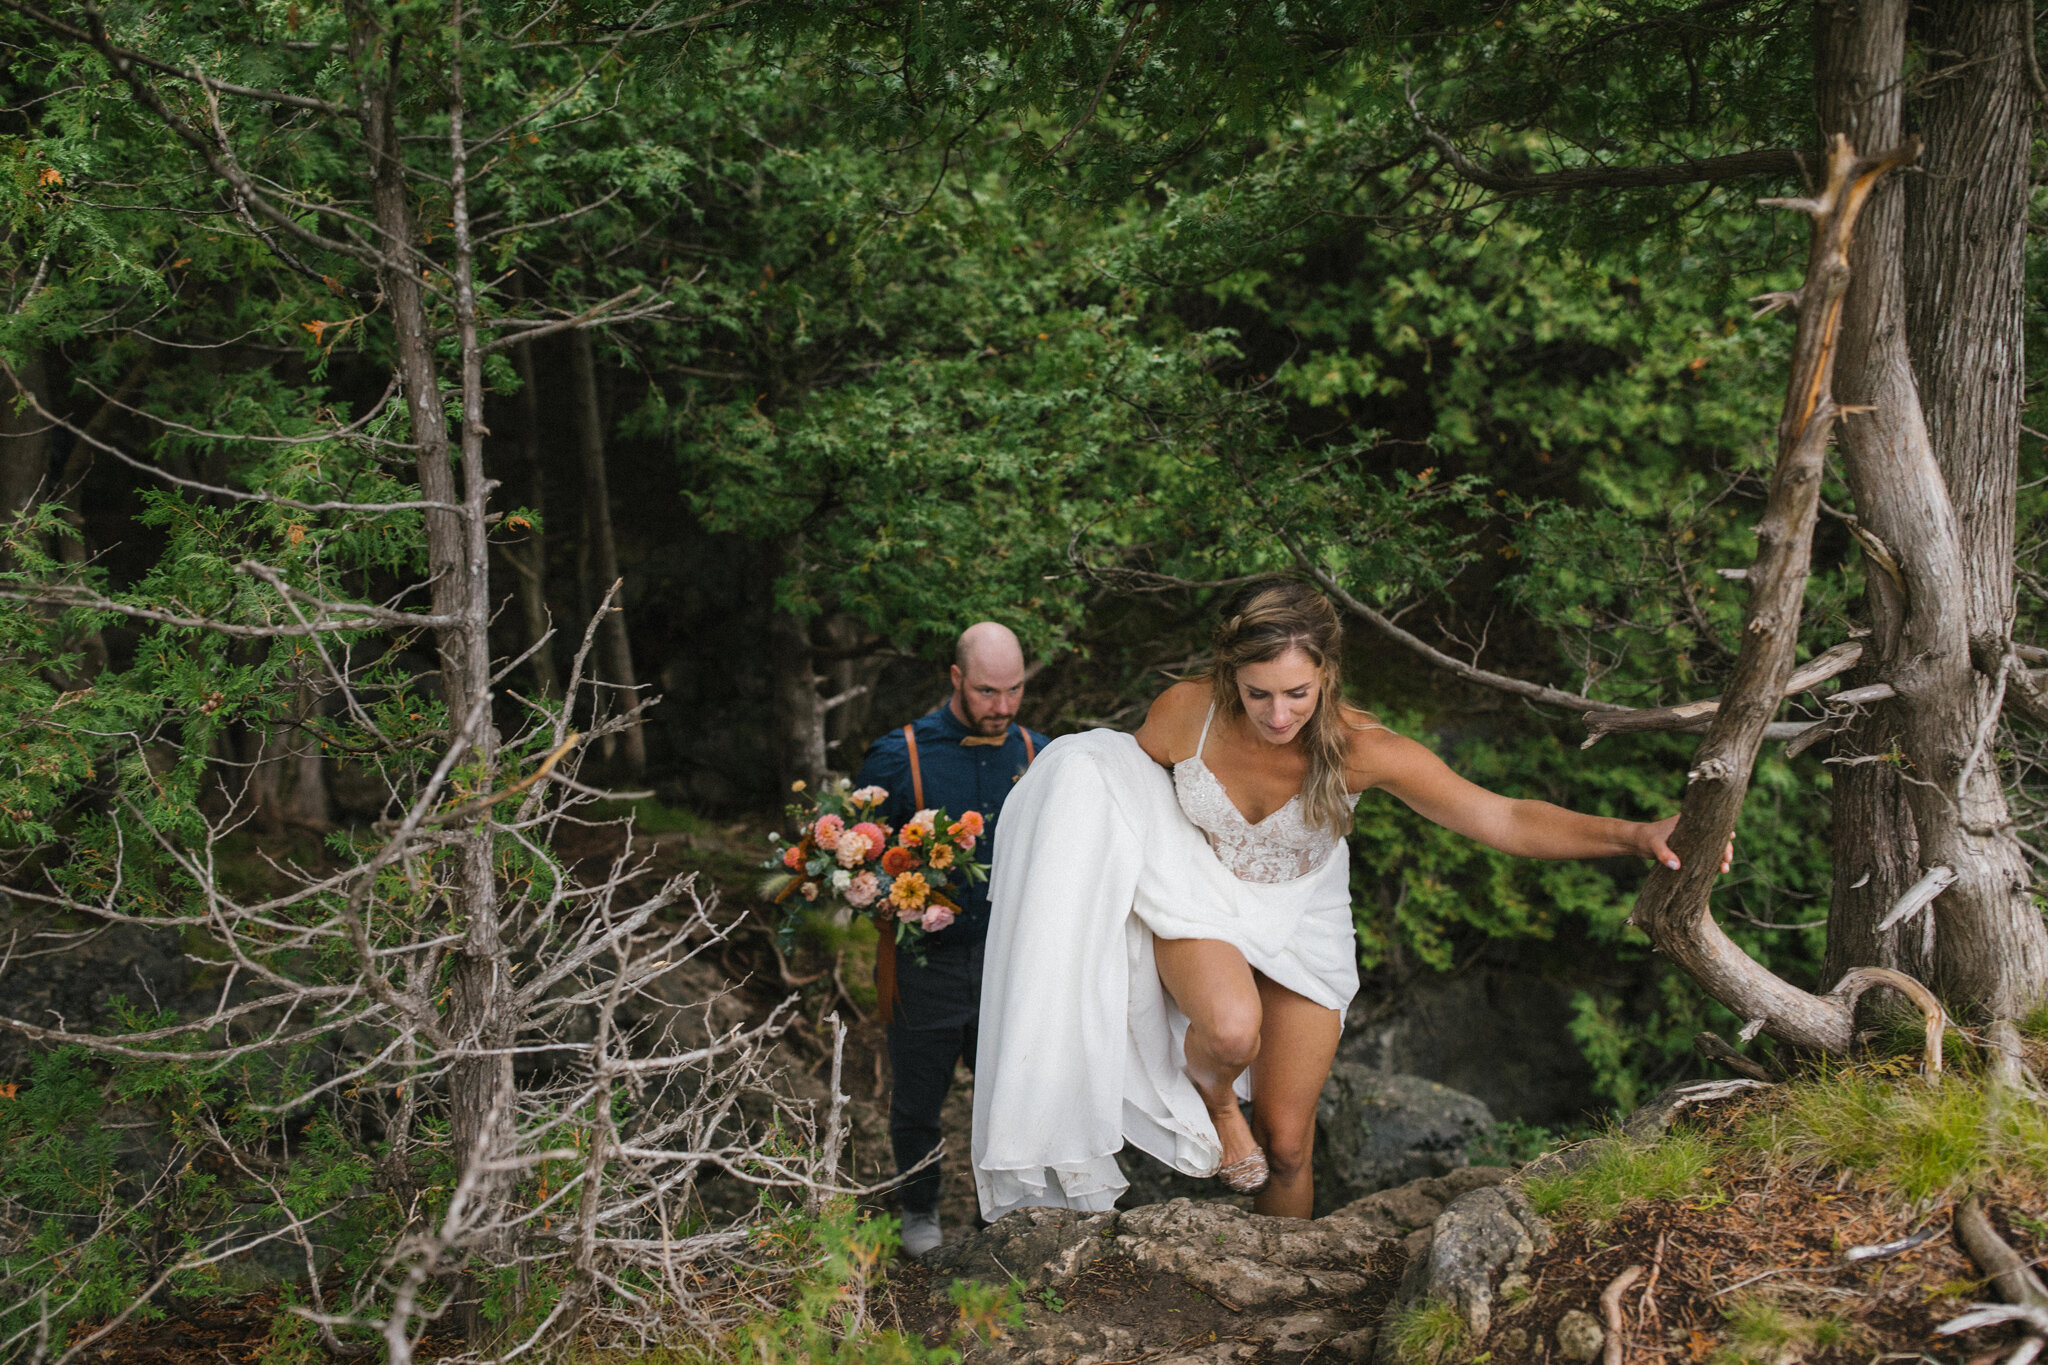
{"points": [[1810, 1221]]}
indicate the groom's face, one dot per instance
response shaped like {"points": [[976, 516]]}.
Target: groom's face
{"points": [[987, 693]]}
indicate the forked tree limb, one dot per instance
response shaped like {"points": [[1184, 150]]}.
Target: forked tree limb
{"points": [[1673, 907], [1382, 623], [1698, 715]]}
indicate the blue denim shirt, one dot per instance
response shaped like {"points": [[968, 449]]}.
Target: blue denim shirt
{"points": [[960, 778]]}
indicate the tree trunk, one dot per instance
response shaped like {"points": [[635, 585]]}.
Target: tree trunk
{"points": [[618, 650], [24, 443], [479, 1011], [1965, 277], [530, 561], [1673, 906], [1933, 314], [799, 713], [1859, 53], [853, 677]]}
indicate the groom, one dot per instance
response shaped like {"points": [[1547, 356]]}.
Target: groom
{"points": [[966, 755]]}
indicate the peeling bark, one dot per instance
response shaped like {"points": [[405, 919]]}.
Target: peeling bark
{"points": [[1673, 907]]}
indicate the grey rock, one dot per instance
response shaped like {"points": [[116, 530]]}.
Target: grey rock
{"points": [[1247, 1260], [1578, 1336], [1297, 1333], [1221, 1353], [1045, 1248], [1484, 1237], [1352, 1348], [1497, 1030], [1376, 1130]]}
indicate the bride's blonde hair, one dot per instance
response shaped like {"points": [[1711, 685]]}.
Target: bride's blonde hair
{"points": [[1263, 622]]}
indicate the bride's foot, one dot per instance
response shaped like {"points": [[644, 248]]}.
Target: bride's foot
{"points": [[1244, 1167]]}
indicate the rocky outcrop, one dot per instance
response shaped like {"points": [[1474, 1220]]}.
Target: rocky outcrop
{"points": [[1480, 1242], [1499, 1030], [1041, 1248], [1276, 1286], [1376, 1130]]}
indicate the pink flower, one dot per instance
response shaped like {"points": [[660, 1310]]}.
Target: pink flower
{"points": [[869, 796], [937, 918], [793, 857], [810, 891], [877, 837], [862, 890], [825, 834]]}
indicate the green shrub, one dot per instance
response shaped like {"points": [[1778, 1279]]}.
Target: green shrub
{"points": [[1923, 1141], [1624, 1172], [1764, 1332], [1431, 1332]]}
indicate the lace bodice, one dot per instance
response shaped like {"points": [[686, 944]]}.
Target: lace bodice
{"points": [[1279, 848]]}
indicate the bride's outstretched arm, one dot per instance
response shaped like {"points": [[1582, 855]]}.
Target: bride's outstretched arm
{"points": [[1528, 829]]}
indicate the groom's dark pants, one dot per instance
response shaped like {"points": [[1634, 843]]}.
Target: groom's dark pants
{"points": [[938, 1006]]}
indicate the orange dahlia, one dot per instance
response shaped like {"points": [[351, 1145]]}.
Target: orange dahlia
{"points": [[898, 861], [909, 892]]}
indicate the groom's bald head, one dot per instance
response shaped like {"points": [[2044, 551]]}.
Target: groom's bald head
{"points": [[988, 677]]}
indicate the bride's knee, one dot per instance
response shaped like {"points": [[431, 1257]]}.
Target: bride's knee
{"points": [[1288, 1156], [1232, 1037]]}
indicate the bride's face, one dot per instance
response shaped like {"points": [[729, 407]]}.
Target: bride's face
{"points": [[1279, 695]]}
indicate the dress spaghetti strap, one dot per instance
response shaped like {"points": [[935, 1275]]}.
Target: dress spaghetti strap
{"points": [[1203, 738]]}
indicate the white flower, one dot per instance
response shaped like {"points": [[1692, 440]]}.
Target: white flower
{"points": [[841, 879]]}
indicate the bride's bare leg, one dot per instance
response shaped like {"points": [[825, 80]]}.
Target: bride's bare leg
{"points": [[1300, 1040], [1213, 986]]}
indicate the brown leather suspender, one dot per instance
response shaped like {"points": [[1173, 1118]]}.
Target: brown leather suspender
{"points": [[885, 924]]}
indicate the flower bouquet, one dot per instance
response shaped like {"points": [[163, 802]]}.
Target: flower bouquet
{"points": [[848, 856]]}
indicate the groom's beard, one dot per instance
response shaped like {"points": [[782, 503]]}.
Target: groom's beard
{"points": [[990, 724]]}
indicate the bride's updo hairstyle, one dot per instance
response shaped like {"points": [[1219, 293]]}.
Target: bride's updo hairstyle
{"points": [[1263, 622]]}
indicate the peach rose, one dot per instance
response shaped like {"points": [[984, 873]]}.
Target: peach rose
{"points": [[862, 890], [936, 918]]}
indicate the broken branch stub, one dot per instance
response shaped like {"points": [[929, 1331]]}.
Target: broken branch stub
{"points": [[1673, 907]]}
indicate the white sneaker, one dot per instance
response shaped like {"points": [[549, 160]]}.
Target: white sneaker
{"points": [[920, 1234]]}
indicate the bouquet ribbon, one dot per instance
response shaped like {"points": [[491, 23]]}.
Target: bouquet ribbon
{"points": [[885, 958]]}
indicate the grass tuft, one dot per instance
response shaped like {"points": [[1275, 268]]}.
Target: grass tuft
{"points": [[1922, 1141], [1676, 1167], [1763, 1332], [1431, 1332]]}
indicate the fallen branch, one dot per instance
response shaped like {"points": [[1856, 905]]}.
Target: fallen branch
{"points": [[1713, 1048], [2009, 1275], [1885, 1250], [1610, 1311]]}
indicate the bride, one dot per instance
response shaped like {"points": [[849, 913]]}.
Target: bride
{"points": [[1171, 924]]}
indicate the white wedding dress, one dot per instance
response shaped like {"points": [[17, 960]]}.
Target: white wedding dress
{"points": [[1080, 1046]]}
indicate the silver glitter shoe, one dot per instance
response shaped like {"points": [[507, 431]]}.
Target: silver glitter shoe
{"points": [[1247, 1175]]}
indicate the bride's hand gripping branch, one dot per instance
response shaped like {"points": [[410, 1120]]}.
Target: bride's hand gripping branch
{"points": [[1525, 829]]}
